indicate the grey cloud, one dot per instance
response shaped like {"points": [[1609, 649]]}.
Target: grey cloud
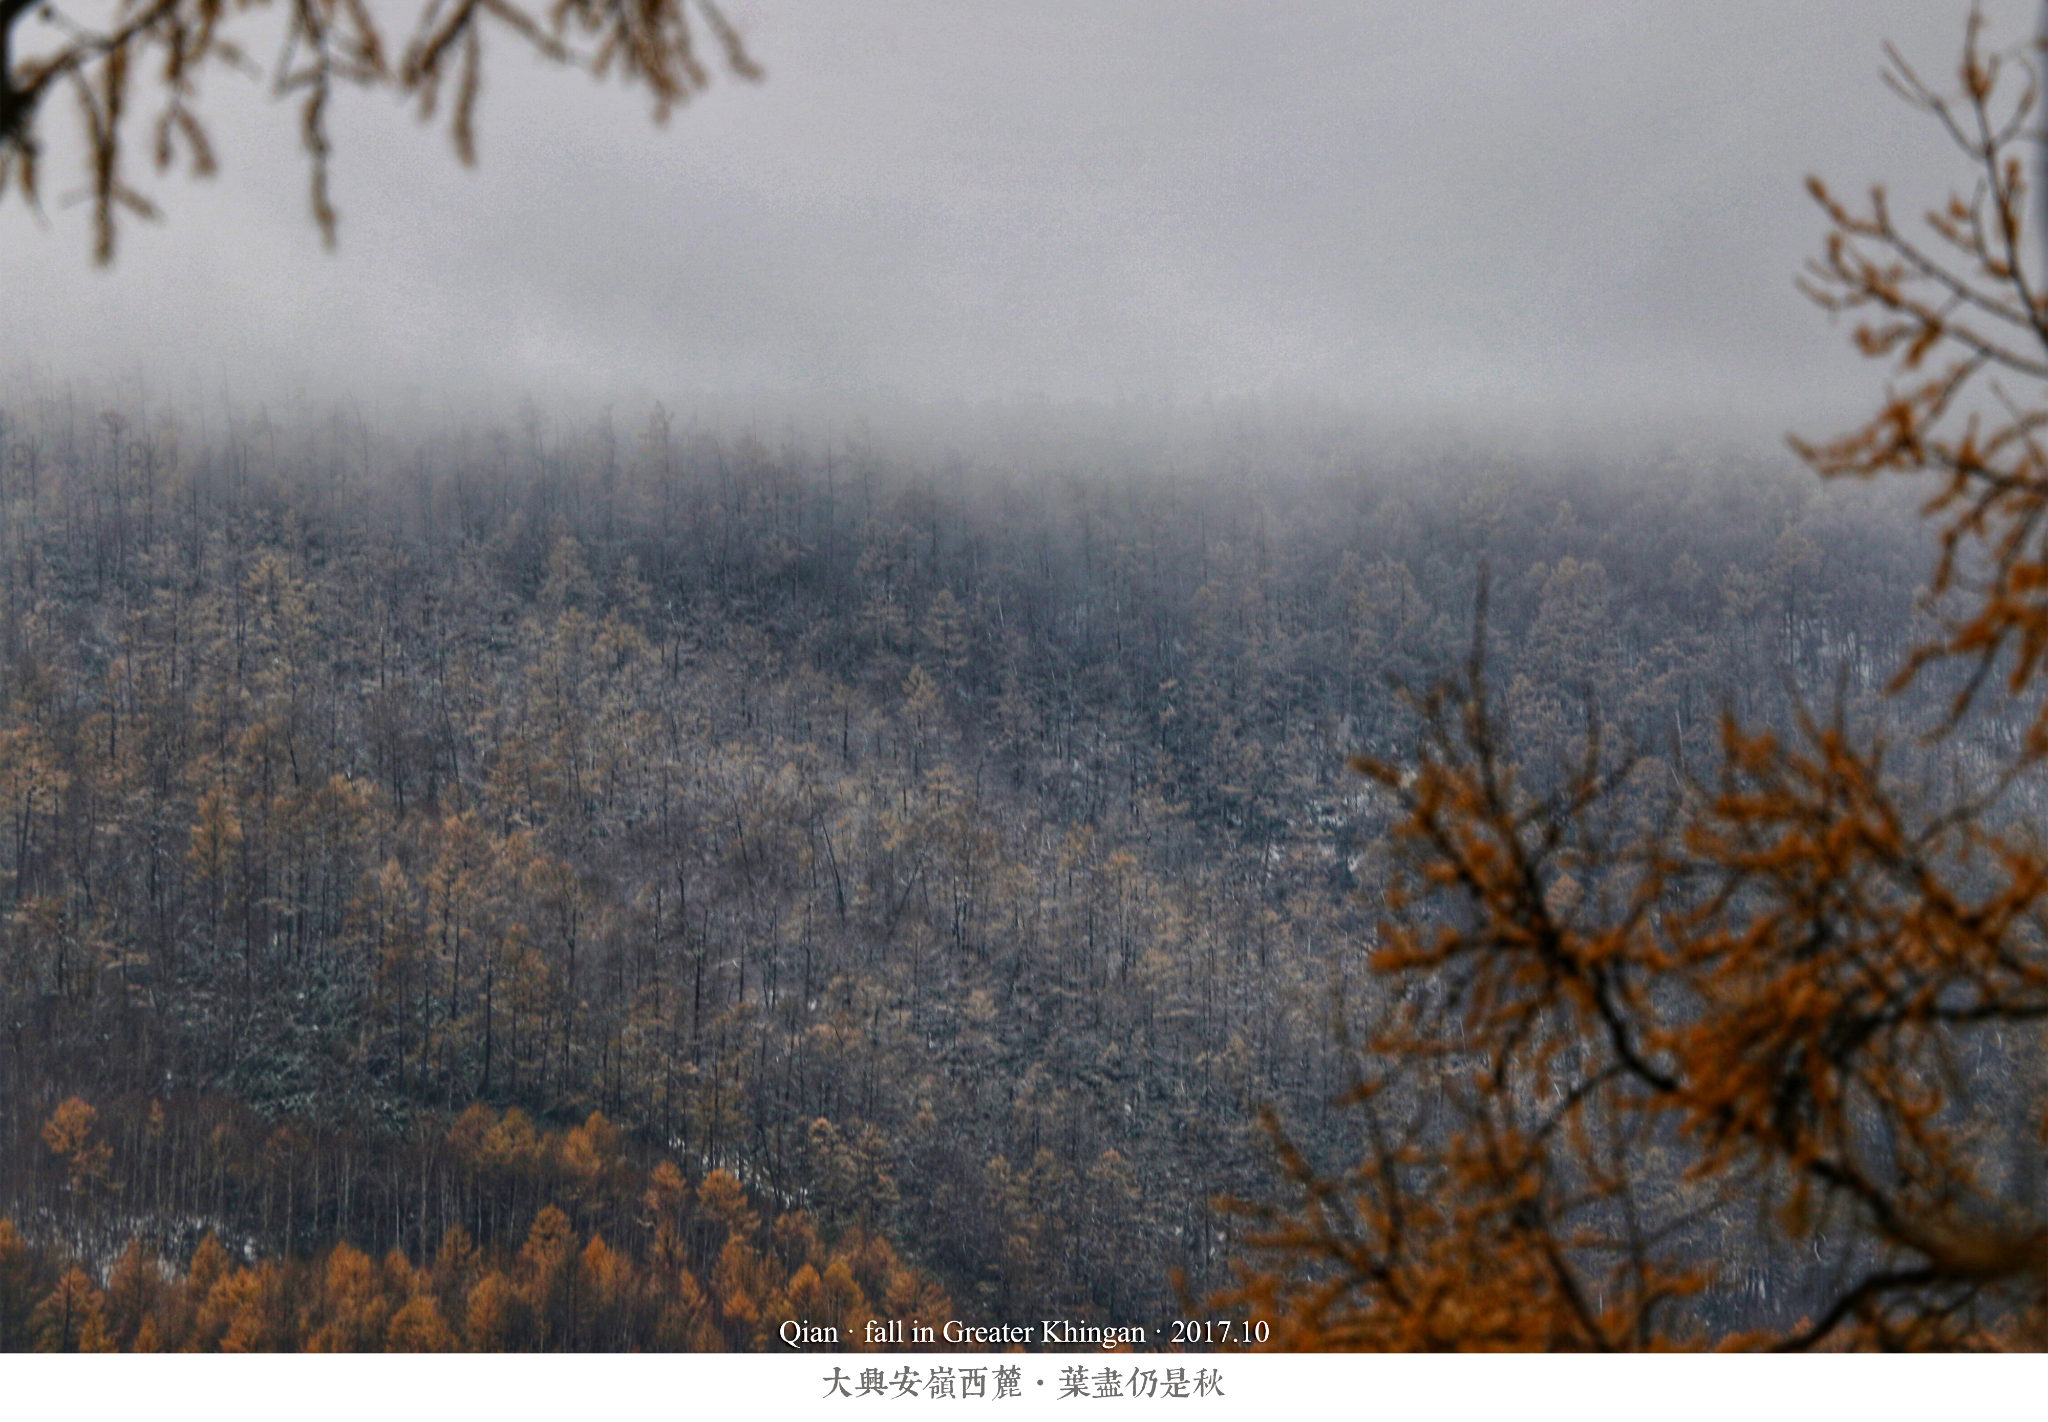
{"points": [[1544, 210]]}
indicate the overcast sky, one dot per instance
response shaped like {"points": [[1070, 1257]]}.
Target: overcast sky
{"points": [[1542, 210]]}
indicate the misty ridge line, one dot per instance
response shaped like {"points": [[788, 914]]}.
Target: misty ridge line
{"points": [[1309, 483]]}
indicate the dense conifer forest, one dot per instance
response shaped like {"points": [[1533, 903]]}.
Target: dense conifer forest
{"points": [[589, 885]]}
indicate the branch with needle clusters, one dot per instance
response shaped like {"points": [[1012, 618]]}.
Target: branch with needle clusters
{"points": [[1638, 1035], [1965, 329], [157, 51]]}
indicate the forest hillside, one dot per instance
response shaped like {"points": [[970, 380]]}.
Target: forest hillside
{"points": [[498, 849]]}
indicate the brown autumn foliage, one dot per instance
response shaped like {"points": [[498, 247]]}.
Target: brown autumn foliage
{"points": [[118, 58], [1643, 1026], [69, 1135], [714, 1277]]}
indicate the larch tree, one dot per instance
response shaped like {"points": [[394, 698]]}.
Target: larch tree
{"points": [[135, 70], [17, 1282], [70, 1319], [1667, 1056]]}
